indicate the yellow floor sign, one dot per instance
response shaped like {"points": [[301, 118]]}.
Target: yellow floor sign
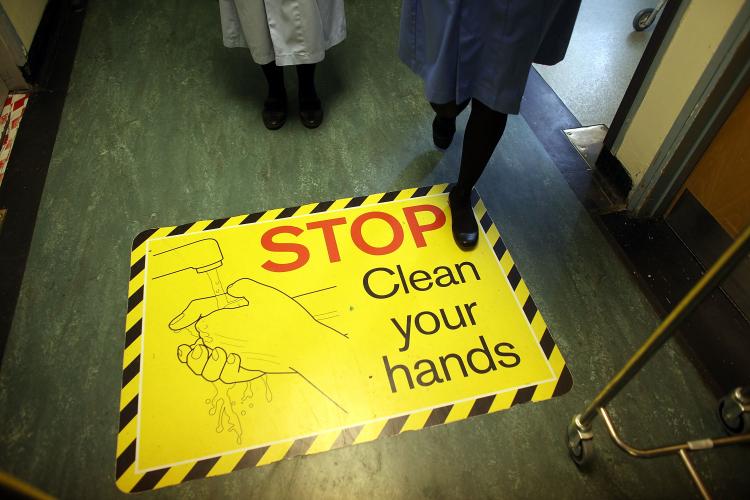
{"points": [[261, 337]]}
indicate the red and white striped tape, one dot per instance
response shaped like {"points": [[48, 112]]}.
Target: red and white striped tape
{"points": [[10, 120]]}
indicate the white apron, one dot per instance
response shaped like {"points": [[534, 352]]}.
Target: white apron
{"points": [[289, 32]]}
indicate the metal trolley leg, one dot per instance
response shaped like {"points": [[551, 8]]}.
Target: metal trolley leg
{"points": [[733, 407], [734, 411]]}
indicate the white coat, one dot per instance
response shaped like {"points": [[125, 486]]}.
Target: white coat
{"points": [[289, 32]]}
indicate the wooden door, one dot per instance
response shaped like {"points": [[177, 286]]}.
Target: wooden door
{"points": [[721, 180]]}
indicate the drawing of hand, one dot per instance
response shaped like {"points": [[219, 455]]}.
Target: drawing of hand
{"points": [[252, 330], [215, 364], [200, 308]]}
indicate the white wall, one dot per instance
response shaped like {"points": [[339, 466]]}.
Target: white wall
{"points": [[696, 38], [25, 16]]}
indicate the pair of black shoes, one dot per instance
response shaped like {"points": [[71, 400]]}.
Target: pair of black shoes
{"points": [[464, 224], [275, 112]]}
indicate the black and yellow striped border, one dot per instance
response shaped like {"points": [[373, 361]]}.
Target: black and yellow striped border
{"points": [[128, 480]]}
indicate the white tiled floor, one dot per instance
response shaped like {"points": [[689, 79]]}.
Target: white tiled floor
{"points": [[601, 59]]}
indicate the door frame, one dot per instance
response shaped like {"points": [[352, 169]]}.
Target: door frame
{"points": [[717, 92]]}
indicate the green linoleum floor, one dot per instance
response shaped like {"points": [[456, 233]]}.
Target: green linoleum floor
{"points": [[161, 126]]}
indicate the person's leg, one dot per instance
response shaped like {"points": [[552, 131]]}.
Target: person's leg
{"points": [[274, 108], [306, 76], [310, 107], [483, 132], [444, 124]]}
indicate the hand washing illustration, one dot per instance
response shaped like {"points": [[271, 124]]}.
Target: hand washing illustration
{"points": [[244, 333]]}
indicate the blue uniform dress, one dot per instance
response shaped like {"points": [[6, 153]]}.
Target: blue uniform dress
{"points": [[483, 49]]}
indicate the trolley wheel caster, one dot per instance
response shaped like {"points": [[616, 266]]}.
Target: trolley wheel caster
{"points": [[580, 443], [642, 20], [734, 412]]}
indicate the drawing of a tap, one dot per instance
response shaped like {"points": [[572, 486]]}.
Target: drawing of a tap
{"points": [[203, 256]]}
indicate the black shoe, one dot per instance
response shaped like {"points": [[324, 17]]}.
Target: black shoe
{"points": [[443, 130], [311, 112], [274, 113], [464, 224]]}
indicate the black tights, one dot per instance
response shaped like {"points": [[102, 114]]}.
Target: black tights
{"points": [[275, 78], [483, 132]]}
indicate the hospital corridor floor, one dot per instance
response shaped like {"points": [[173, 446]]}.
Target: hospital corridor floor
{"points": [[161, 126]]}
